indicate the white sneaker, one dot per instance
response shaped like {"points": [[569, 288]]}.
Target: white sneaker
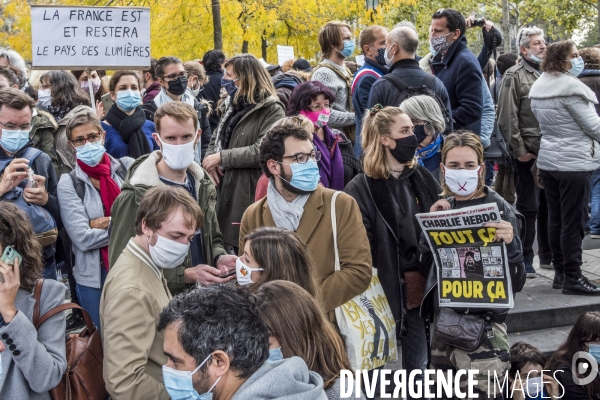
{"points": [[595, 236]]}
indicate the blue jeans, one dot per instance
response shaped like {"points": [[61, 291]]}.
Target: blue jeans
{"points": [[49, 271], [89, 298], [595, 200]]}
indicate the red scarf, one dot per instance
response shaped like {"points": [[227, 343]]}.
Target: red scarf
{"points": [[109, 190]]}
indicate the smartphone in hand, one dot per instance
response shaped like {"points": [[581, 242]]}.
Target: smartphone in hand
{"points": [[8, 257]]}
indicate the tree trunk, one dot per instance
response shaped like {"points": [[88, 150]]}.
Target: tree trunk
{"points": [[217, 28], [264, 44], [245, 46], [506, 27]]}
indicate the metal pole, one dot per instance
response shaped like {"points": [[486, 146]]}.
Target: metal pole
{"points": [[88, 73]]}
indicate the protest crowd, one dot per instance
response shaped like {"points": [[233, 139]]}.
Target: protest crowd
{"points": [[231, 229]]}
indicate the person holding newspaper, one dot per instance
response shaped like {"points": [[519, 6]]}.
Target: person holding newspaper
{"points": [[463, 183]]}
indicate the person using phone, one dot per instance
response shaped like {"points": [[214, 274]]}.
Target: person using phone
{"points": [[86, 196], [22, 378]]}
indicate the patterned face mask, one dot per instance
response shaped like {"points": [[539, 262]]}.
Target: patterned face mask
{"points": [[440, 44]]}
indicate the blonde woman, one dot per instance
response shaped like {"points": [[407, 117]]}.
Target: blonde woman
{"points": [[463, 181], [232, 155], [392, 189]]}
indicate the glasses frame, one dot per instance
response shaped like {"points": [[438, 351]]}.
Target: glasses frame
{"points": [[20, 128], [313, 155], [167, 78], [86, 140]]}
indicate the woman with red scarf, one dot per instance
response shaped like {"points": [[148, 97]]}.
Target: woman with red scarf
{"points": [[338, 164], [86, 196]]}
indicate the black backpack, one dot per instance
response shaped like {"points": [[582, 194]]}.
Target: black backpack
{"points": [[424, 89]]}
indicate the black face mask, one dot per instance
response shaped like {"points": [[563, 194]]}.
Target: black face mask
{"points": [[178, 86], [405, 149], [419, 131]]}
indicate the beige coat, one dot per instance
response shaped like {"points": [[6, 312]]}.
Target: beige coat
{"points": [[316, 232], [134, 294]]}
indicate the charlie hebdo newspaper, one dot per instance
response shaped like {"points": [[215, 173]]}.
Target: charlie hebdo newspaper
{"points": [[472, 269]]}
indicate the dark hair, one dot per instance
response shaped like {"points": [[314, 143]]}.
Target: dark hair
{"points": [[591, 57], [556, 54], [102, 91], [163, 62], [16, 231], [66, 92], [586, 329], [454, 19], [10, 73], [15, 98], [158, 202], [31, 92], [114, 79], [283, 256], [273, 147], [219, 317], [212, 60], [304, 94], [521, 354], [505, 61], [151, 68]]}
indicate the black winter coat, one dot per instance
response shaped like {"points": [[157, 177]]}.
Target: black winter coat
{"points": [[375, 201], [211, 92]]}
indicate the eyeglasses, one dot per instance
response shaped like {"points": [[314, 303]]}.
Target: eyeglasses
{"points": [[14, 127], [303, 158], [172, 77], [92, 138]]}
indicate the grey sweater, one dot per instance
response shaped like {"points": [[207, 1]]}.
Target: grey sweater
{"points": [[37, 360], [333, 393], [340, 115], [77, 215]]}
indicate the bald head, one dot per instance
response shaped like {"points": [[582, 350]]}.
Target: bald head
{"points": [[406, 40]]}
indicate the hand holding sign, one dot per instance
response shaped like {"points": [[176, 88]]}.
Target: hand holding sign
{"points": [[504, 231]]}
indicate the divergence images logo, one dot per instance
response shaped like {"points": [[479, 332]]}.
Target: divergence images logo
{"points": [[584, 366]]}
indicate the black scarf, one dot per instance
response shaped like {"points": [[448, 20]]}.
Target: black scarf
{"points": [[240, 108], [130, 129]]}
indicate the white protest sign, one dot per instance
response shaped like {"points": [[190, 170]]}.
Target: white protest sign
{"points": [[64, 37], [284, 53], [360, 60]]}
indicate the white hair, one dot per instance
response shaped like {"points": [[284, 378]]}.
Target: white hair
{"points": [[525, 34], [14, 59], [425, 108]]}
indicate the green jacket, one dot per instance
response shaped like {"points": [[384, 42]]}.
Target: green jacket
{"points": [[241, 165], [516, 121], [142, 176], [43, 127]]}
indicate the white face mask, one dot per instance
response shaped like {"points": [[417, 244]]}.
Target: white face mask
{"points": [[167, 253], [534, 386], [178, 156], [244, 272], [462, 182]]}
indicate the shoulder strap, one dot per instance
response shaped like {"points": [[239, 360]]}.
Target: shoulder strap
{"points": [[334, 229], [396, 81], [122, 171], [78, 185], [37, 294], [63, 307], [429, 80]]}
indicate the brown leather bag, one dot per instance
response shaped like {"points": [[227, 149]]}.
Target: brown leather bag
{"points": [[83, 378], [415, 289]]}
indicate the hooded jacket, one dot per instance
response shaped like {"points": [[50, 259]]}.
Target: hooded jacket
{"points": [[284, 85], [43, 128], [591, 77], [241, 165], [461, 74], [570, 127], [287, 379], [143, 175]]}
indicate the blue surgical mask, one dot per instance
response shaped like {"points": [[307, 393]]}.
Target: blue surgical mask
{"points": [[595, 351], [180, 386], [229, 86], [348, 48], [128, 100], [305, 176], [534, 387], [90, 153], [14, 140], [432, 50], [535, 58], [275, 354], [577, 66]]}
